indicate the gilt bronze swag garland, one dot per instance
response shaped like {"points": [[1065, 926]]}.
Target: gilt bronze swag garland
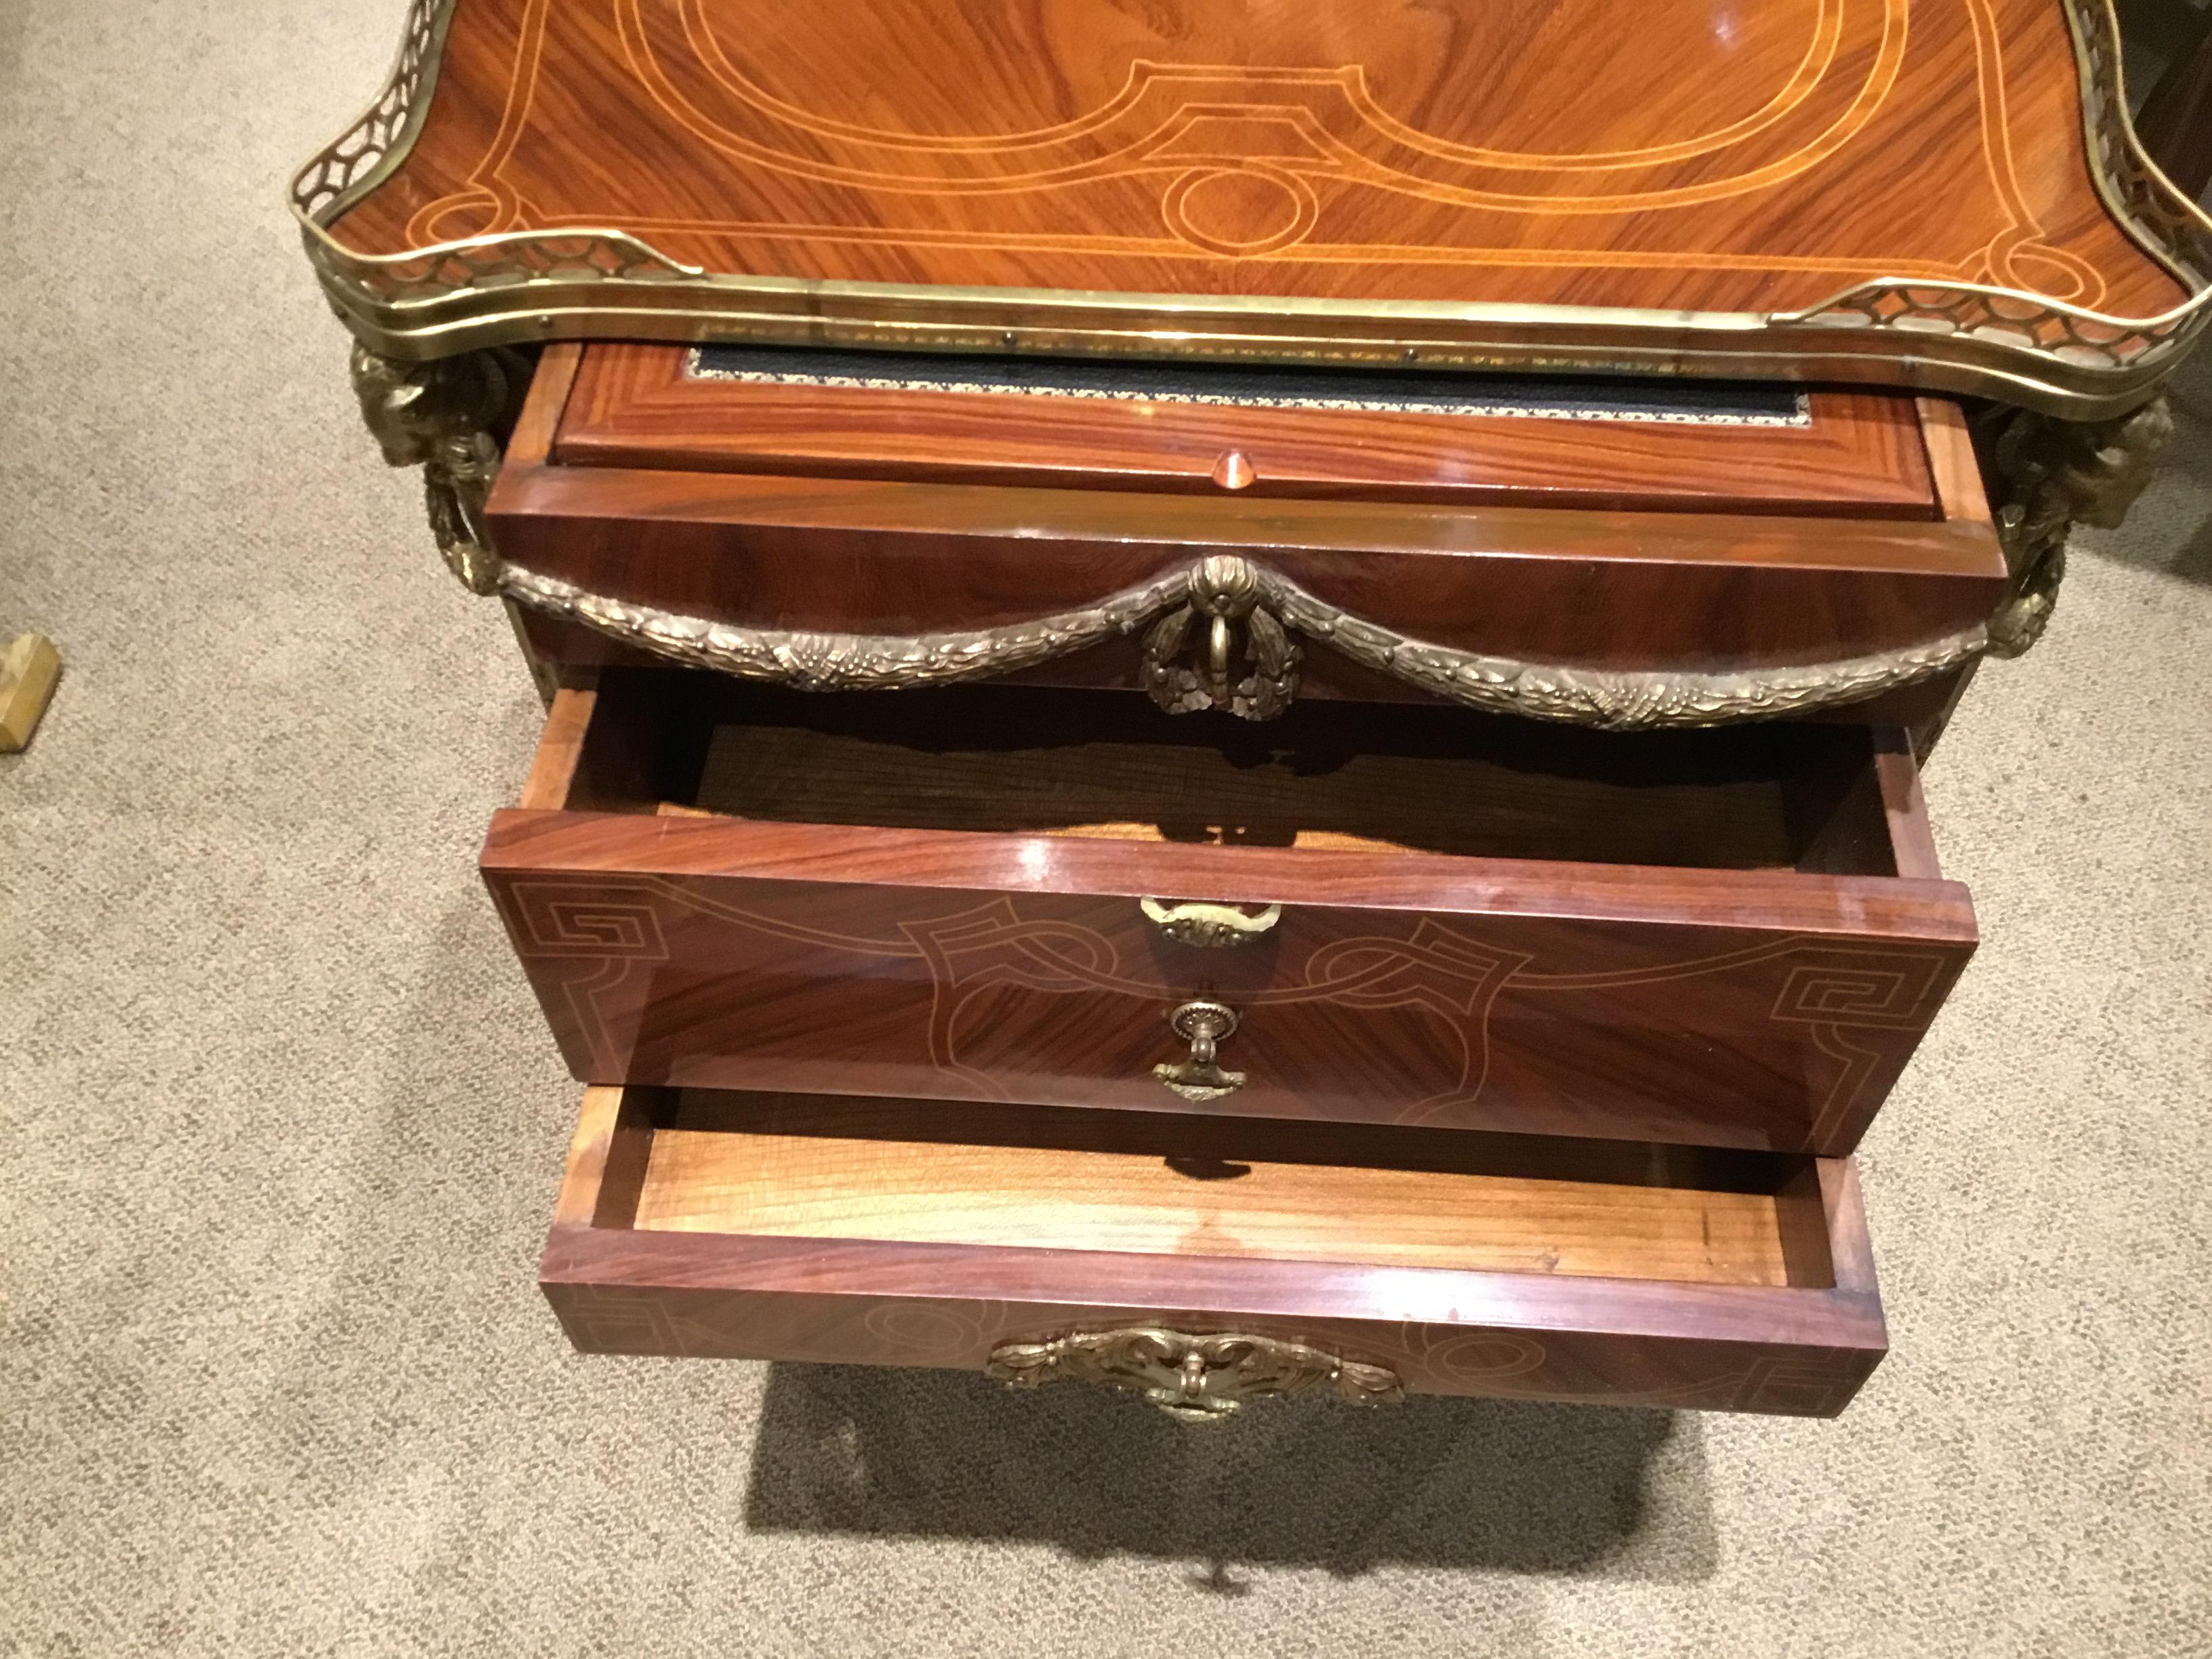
{"points": [[1220, 632]]}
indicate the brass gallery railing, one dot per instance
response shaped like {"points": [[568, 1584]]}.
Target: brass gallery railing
{"points": [[1964, 338], [433, 373]]}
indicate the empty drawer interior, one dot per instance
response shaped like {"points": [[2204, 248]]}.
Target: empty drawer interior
{"points": [[1036, 1178], [1102, 763]]}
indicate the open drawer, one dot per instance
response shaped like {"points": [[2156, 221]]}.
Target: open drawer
{"points": [[1416, 916], [1201, 1260]]}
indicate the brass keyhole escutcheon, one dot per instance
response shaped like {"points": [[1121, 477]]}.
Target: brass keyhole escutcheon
{"points": [[1203, 1026]]}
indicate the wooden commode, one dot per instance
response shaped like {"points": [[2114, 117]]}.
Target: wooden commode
{"points": [[1235, 705]]}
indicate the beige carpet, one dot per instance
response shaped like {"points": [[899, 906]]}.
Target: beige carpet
{"points": [[283, 1127]]}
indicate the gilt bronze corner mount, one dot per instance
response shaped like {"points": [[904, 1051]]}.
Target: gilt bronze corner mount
{"points": [[2045, 477]]}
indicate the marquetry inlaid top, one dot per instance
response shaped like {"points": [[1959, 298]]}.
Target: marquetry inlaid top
{"points": [[1817, 188]]}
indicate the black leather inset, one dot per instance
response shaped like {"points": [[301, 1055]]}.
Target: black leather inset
{"points": [[1554, 397]]}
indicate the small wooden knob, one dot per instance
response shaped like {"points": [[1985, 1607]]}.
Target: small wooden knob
{"points": [[1232, 470]]}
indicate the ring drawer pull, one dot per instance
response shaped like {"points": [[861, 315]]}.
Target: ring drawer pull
{"points": [[1212, 926], [1199, 1379], [1203, 1026]]}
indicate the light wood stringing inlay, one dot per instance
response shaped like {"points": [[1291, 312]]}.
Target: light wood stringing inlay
{"points": [[1335, 148]]}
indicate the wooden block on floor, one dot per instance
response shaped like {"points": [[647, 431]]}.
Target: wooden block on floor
{"points": [[28, 674]]}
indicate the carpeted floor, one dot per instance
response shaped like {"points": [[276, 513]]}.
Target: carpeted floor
{"points": [[283, 1127]]}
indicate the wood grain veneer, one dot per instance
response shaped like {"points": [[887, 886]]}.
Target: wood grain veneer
{"points": [[1609, 589], [835, 1172], [1672, 583], [1778, 1312], [1709, 157], [1757, 1007], [636, 406]]}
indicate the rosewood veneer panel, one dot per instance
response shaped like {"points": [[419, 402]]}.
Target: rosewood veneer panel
{"points": [[1653, 589], [1727, 1007], [1612, 184]]}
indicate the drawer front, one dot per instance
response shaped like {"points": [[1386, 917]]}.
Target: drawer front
{"points": [[1363, 1332], [1790, 1364], [1755, 1009], [1653, 445], [632, 490]]}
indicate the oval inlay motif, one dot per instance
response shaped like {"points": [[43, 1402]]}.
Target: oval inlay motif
{"points": [[1244, 210]]}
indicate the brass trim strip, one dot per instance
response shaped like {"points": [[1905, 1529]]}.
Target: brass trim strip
{"points": [[1961, 338]]}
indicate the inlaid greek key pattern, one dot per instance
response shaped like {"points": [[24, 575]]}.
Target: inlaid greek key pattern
{"points": [[1868, 987], [1862, 1006], [960, 1333], [583, 918]]}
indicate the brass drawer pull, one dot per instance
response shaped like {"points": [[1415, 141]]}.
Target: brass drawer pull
{"points": [[1201, 1025], [1199, 1379], [1212, 926]]}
